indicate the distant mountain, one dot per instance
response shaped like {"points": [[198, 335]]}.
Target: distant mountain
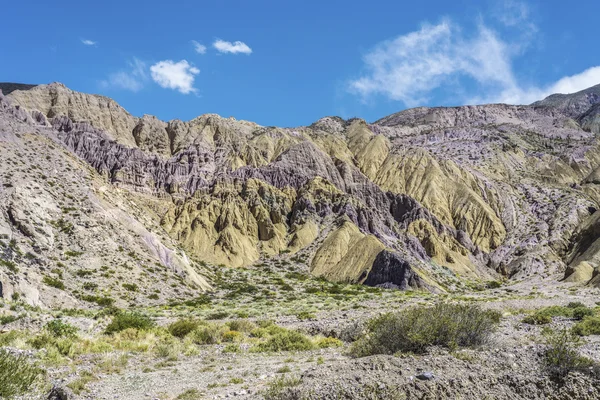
{"points": [[431, 198], [573, 104]]}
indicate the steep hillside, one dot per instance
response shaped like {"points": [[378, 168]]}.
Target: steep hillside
{"points": [[431, 198]]}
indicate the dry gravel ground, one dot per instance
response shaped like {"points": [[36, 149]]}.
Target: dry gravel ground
{"points": [[509, 367]]}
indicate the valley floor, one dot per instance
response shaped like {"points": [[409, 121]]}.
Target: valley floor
{"points": [[233, 359]]}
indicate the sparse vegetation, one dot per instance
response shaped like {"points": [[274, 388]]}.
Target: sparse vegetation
{"points": [[561, 355], [588, 326], [126, 320], [416, 328], [17, 375], [278, 386], [285, 340], [183, 327], [60, 329], [54, 282]]}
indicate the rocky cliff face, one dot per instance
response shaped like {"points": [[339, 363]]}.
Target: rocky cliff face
{"points": [[428, 198]]}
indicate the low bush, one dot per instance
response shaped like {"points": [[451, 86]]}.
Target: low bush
{"points": [[285, 340], [561, 355], [60, 329], [575, 304], [183, 327], [217, 315], [277, 389], [232, 336], [588, 326], [232, 348], [54, 282], [209, 334], [544, 315], [7, 319], [241, 325], [580, 313], [100, 300], [326, 342], [537, 319], [414, 329], [305, 315], [125, 320], [17, 375]]}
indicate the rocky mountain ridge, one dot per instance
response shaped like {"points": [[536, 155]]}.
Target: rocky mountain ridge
{"points": [[431, 198]]}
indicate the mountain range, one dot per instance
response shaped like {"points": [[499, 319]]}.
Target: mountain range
{"points": [[438, 199]]}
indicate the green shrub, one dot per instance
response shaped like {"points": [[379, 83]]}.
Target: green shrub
{"points": [[100, 300], [544, 315], [183, 327], [493, 284], [575, 304], [217, 315], [285, 340], [276, 389], [305, 315], [588, 326], [580, 313], [7, 319], [537, 319], [12, 267], [199, 301], [232, 336], [241, 325], [561, 355], [190, 394], [54, 282], [414, 329], [132, 287], [122, 321], [209, 334], [232, 348], [17, 375], [326, 342], [60, 329]]}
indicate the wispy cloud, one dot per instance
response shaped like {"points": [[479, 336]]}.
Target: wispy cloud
{"points": [[175, 75], [411, 67], [133, 78], [223, 46], [198, 47], [88, 42]]}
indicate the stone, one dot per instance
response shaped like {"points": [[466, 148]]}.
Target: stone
{"points": [[425, 376]]}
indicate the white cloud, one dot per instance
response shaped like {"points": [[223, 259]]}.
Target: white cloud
{"points": [[175, 75], [512, 12], [132, 79], [200, 48], [88, 42], [228, 47], [568, 84], [412, 66]]}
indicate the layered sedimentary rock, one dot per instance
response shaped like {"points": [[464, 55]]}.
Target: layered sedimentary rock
{"points": [[427, 197]]}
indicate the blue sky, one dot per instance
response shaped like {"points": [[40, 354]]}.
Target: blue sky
{"points": [[288, 63]]}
